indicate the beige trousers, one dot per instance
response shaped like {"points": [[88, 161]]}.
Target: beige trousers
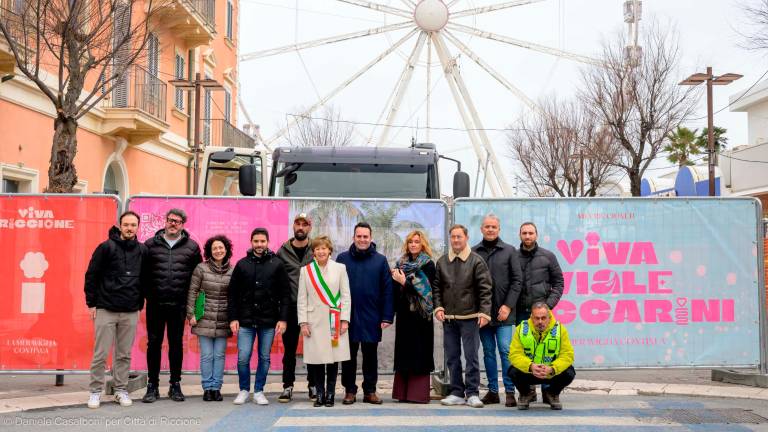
{"points": [[118, 329]]}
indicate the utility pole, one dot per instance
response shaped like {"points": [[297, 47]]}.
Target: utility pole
{"points": [[711, 81], [197, 85]]}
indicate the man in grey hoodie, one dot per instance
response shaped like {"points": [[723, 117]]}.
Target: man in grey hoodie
{"points": [[295, 254]]}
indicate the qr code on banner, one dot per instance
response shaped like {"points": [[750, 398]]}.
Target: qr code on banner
{"points": [[150, 224]]}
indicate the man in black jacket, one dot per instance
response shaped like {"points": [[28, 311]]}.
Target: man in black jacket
{"points": [[295, 254], [504, 264], [113, 293], [542, 276], [172, 257], [259, 297]]}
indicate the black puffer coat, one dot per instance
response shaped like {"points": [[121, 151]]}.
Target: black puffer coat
{"points": [[112, 281], [542, 278], [214, 282], [168, 270], [259, 291], [504, 264]]}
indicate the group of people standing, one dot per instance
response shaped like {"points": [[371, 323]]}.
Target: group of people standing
{"points": [[490, 294]]}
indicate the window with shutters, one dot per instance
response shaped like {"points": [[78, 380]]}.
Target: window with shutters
{"points": [[153, 54], [207, 101], [230, 18], [121, 46], [227, 106], [179, 74]]}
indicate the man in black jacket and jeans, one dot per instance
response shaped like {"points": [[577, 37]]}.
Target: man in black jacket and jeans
{"points": [[257, 306], [113, 293], [542, 276], [504, 265], [172, 257]]}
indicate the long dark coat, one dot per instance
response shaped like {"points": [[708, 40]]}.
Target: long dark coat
{"points": [[414, 335]]}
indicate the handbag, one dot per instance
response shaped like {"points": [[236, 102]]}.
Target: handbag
{"points": [[200, 305]]}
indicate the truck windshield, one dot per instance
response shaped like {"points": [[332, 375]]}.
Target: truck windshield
{"points": [[354, 180], [221, 179]]}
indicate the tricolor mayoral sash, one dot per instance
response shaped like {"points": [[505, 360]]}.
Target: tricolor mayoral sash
{"points": [[328, 297]]}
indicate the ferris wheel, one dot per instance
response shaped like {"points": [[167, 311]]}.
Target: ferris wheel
{"points": [[435, 26]]}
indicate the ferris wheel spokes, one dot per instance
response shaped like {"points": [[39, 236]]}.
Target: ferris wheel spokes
{"points": [[523, 44], [409, 3], [492, 72], [470, 117], [401, 87], [326, 41], [492, 8], [343, 85], [379, 7]]}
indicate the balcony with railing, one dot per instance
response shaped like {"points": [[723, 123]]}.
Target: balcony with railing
{"points": [[192, 20], [221, 133], [136, 106], [10, 14]]}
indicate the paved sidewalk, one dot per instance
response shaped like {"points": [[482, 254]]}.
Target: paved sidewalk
{"points": [[31, 392]]}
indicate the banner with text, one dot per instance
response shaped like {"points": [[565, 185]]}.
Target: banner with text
{"points": [[667, 282], [237, 217], [47, 243]]}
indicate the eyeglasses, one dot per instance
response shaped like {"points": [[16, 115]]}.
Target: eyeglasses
{"points": [[174, 221]]}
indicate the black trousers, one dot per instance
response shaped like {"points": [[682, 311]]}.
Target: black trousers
{"points": [[290, 343], [325, 375], [370, 367], [557, 383], [160, 318]]}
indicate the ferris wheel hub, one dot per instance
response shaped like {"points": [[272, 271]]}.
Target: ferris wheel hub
{"points": [[431, 15]]}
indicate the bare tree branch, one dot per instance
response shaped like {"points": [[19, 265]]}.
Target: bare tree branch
{"points": [[327, 129], [639, 101]]}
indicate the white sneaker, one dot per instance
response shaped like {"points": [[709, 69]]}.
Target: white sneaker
{"points": [[242, 397], [260, 399], [475, 402], [94, 400], [123, 399], [453, 400]]}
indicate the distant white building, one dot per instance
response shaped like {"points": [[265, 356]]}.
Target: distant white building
{"points": [[745, 167]]}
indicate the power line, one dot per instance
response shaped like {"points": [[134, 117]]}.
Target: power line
{"points": [[746, 92]]}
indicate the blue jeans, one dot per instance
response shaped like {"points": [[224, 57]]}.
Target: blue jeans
{"points": [[245, 339], [212, 352], [490, 338]]}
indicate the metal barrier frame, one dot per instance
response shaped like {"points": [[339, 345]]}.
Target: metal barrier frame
{"points": [[759, 239], [118, 208]]}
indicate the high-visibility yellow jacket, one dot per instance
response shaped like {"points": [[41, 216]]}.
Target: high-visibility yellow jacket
{"points": [[520, 360]]}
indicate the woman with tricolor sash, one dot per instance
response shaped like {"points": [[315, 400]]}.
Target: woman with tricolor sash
{"points": [[324, 306]]}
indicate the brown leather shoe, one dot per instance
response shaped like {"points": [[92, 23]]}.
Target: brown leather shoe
{"points": [[552, 400], [510, 402], [349, 399], [490, 398], [525, 399], [372, 398]]}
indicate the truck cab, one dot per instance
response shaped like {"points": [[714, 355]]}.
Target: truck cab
{"points": [[355, 172]]}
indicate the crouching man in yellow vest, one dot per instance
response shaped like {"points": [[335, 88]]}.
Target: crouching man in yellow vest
{"points": [[541, 353]]}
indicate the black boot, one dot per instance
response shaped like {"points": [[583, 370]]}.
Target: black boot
{"points": [[152, 394], [329, 399], [319, 400], [216, 395], [312, 393], [174, 392], [207, 395]]}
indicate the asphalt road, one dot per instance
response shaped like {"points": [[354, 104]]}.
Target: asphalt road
{"points": [[583, 412]]}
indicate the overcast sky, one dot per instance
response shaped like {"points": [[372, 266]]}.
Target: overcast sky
{"points": [[276, 87]]}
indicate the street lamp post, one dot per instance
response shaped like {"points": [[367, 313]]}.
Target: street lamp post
{"points": [[710, 80], [197, 85]]}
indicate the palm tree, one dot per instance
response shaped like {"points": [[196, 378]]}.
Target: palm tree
{"points": [[702, 141], [683, 143], [389, 230], [333, 218]]}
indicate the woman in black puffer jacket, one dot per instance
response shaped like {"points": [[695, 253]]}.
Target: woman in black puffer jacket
{"points": [[212, 329]]}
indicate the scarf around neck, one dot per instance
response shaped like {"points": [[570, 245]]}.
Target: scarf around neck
{"points": [[421, 302]]}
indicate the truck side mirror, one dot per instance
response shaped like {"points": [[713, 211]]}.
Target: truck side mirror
{"points": [[247, 180], [460, 184]]}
